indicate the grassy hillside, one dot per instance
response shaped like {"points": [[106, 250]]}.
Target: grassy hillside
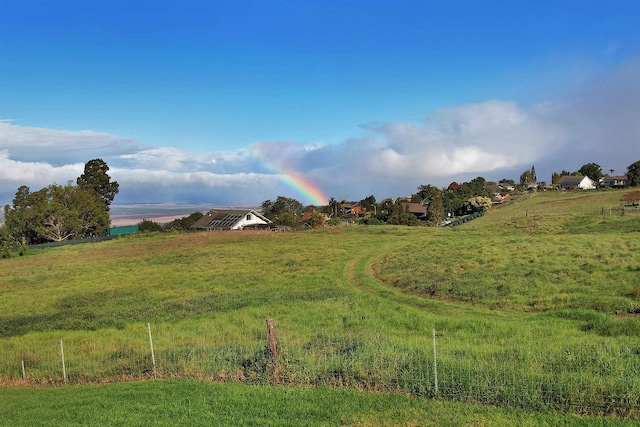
{"points": [[534, 306]]}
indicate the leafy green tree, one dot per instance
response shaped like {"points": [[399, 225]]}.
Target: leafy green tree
{"points": [[369, 204], [4, 234], [435, 213], [21, 218], [283, 211], [400, 215], [287, 218], [425, 194], [58, 216], [528, 177], [453, 203], [592, 170], [479, 204], [55, 213], [316, 220], [95, 177], [333, 208], [475, 187], [183, 223], [89, 208], [6, 252], [633, 174]]}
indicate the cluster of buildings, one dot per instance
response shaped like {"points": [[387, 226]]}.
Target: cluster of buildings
{"points": [[239, 219], [569, 182]]}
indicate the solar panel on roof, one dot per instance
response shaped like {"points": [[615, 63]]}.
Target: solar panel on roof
{"points": [[226, 221]]}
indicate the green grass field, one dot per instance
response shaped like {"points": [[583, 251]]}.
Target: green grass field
{"points": [[534, 306]]}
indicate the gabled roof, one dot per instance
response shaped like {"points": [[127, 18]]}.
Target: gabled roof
{"points": [[229, 219], [353, 208], [580, 181], [622, 178], [306, 216], [495, 189], [571, 179], [418, 209]]}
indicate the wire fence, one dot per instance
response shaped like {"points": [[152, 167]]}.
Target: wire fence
{"points": [[598, 378]]}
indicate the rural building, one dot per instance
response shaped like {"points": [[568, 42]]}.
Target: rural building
{"points": [[351, 209], [418, 209], [499, 199], [506, 186], [569, 182], [494, 189], [231, 219], [613, 181], [306, 217]]}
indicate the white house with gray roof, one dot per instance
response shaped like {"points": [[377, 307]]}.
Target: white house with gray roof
{"points": [[231, 219]]}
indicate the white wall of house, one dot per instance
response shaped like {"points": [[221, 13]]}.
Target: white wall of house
{"points": [[587, 184], [250, 219]]}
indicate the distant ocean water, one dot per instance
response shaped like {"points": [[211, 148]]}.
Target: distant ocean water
{"points": [[133, 213]]}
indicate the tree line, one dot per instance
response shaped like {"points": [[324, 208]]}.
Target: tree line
{"points": [[81, 209], [455, 200], [55, 213], [592, 170], [443, 203]]}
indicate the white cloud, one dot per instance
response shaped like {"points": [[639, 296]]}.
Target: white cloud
{"points": [[60, 147], [165, 178], [17, 173]]}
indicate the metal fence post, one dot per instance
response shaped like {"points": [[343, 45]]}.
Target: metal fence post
{"points": [[153, 356], [64, 368], [435, 365]]}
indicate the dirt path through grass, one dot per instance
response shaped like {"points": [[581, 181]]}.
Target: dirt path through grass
{"points": [[359, 272]]}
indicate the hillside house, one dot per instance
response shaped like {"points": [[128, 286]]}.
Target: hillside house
{"points": [[506, 186], [351, 209], [418, 209], [495, 190], [306, 217], [231, 219], [499, 199], [613, 181], [570, 182]]}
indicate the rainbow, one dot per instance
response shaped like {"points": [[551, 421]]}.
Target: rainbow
{"points": [[304, 186], [297, 181]]}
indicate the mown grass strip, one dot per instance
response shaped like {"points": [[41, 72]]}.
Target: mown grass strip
{"points": [[198, 403]]}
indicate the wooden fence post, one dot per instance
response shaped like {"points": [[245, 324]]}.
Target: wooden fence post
{"points": [[272, 341]]}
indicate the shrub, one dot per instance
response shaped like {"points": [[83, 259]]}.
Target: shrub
{"points": [[372, 220], [148, 226], [6, 252]]}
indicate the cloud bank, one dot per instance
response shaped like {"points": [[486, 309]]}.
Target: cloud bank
{"points": [[599, 122]]}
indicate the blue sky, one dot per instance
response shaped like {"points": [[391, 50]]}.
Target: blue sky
{"points": [[213, 101]]}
